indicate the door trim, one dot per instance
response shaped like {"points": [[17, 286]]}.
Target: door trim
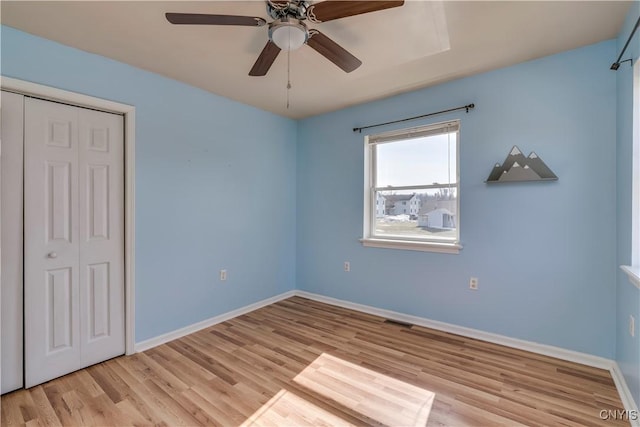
{"points": [[129, 112]]}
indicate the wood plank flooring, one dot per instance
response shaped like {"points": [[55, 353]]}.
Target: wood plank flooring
{"points": [[300, 362]]}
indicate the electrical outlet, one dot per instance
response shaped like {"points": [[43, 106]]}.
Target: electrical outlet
{"points": [[473, 283], [632, 326], [223, 275], [347, 266]]}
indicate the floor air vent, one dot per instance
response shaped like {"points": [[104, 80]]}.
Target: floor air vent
{"points": [[398, 323]]}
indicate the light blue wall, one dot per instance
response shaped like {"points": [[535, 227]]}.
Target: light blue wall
{"points": [[544, 252], [628, 296], [215, 185]]}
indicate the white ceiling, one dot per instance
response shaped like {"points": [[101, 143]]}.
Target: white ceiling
{"points": [[419, 44]]}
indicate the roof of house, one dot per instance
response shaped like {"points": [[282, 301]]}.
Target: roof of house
{"points": [[398, 197], [439, 211]]}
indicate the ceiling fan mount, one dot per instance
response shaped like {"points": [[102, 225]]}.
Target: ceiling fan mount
{"points": [[294, 9], [288, 30]]}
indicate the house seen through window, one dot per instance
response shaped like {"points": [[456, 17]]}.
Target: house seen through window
{"points": [[412, 192]]}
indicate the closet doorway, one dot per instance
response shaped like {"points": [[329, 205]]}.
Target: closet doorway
{"points": [[64, 188]]}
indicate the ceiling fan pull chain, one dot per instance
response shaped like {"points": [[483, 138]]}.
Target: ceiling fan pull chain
{"points": [[288, 76]]}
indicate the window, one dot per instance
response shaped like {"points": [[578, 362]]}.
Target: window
{"points": [[633, 270], [412, 189], [635, 183]]}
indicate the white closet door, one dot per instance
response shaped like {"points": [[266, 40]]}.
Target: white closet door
{"points": [[11, 280], [74, 293], [52, 258], [101, 236]]}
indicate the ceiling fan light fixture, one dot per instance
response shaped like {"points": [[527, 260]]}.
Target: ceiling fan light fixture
{"points": [[288, 33]]}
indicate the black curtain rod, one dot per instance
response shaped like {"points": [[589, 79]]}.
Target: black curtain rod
{"points": [[466, 107], [616, 64]]}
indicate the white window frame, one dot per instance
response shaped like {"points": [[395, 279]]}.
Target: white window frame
{"points": [[369, 238], [633, 270]]}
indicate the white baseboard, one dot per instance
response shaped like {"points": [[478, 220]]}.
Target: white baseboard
{"points": [[625, 394], [179, 333]]}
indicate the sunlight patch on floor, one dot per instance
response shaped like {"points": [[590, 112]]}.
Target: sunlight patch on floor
{"points": [[289, 409], [352, 389]]}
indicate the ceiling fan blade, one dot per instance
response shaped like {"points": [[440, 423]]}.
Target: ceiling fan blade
{"points": [[265, 60], [333, 51], [335, 9], [204, 19]]}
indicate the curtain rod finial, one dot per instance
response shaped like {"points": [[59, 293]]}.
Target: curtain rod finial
{"points": [[617, 64]]}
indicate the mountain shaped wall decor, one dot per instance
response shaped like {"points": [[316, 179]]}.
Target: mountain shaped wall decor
{"points": [[518, 168]]}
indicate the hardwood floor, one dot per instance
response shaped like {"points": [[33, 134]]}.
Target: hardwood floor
{"points": [[300, 362]]}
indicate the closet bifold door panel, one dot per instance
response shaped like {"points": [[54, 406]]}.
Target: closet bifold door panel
{"points": [[73, 239], [11, 121], [101, 240]]}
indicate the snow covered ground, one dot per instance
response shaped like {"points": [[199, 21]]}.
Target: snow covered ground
{"points": [[395, 218]]}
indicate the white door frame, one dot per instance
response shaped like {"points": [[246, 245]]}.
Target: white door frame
{"points": [[129, 112]]}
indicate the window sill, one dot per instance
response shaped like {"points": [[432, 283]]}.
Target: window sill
{"points": [[446, 248], [633, 273]]}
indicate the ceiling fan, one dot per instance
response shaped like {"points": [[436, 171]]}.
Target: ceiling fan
{"points": [[288, 31]]}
